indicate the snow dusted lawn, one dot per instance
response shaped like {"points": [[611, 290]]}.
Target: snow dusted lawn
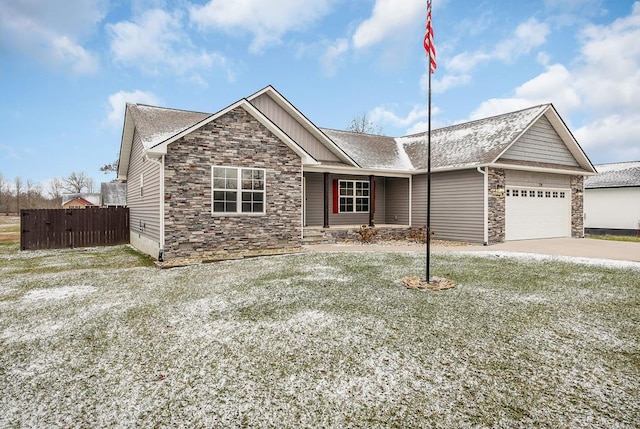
{"points": [[316, 340]]}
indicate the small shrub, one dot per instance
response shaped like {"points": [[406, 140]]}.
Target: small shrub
{"points": [[366, 234]]}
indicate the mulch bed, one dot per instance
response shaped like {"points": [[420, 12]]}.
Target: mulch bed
{"points": [[435, 284]]}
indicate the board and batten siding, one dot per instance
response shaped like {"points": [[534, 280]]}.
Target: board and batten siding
{"points": [[293, 128], [541, 143], [144, 210], [457, 205], [397, 201]]}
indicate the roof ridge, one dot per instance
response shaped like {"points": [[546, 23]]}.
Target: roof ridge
{"points": [[482, 119], [170, 108], [356, 133]]}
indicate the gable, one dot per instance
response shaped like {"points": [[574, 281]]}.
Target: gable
{"points": [[541, 143], [293, 128]]}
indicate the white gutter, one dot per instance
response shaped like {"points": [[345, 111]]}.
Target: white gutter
{"points": [[485, 198]]}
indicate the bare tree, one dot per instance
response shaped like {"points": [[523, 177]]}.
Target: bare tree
{"points": [[3, 199], [17, 182], [111, 167], [34, 195], [77, 183], [362, 125], [55, 188]]}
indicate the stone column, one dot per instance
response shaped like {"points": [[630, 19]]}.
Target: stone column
{"points": [[577, 206], [496, 205]]}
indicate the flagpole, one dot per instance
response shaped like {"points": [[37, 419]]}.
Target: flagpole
{"points": [[428, 263], [428, 45]]}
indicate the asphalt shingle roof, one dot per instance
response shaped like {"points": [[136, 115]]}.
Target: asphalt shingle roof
{"points": [[371, 151], [618, 175], [114, 194], [463, 145], [157, 124]]}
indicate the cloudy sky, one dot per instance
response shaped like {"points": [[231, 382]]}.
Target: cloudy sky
{"points": [[67, 67]]}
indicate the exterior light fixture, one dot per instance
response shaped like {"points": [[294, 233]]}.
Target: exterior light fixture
{"points": [[579, 192], [499, 190]]}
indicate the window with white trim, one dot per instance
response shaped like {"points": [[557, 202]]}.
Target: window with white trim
{"points": [[354, 196], [238, 190]]}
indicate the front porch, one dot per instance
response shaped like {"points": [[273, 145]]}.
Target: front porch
{"points": [[348, 201]]}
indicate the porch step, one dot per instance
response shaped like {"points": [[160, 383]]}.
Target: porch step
{"points": [[314, 236]]}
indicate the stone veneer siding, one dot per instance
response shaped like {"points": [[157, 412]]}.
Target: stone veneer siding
{"points": [[577, 207], [236, 139], [496, 206]]}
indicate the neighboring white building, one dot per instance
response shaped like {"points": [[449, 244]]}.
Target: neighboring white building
{"points": [[612, 199]]}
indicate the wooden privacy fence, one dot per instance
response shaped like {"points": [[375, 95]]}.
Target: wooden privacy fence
{"points": [[60, 228]]}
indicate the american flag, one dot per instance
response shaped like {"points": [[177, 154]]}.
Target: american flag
{"points": [[428, 41]]}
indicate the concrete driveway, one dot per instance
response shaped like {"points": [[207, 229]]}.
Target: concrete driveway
{"points": [[579, 247]]}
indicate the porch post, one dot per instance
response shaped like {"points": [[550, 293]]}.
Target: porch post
{"points": [[326, 200], [372, 199]]}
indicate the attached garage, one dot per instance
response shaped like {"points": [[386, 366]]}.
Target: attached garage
{"points": [[537, 213], [537, 205]]}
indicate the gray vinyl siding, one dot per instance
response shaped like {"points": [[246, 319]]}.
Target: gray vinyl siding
{"points": [[457, 205], [541, 143], [537, 180], [144, 211], [293, 128], [314, 199], [397, 201]]}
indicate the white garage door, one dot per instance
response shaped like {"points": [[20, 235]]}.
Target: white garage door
{"points": [[537, 213]]}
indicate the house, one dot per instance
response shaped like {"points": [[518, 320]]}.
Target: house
{"points": [[113, 194], [256, 175], [612, 199], [80, 200]]}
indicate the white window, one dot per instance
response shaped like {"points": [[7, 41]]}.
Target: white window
{"points": [[354, 196], [141, 184], [238, 190]]}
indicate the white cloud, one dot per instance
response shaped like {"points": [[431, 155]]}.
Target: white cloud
{"points": [[118, 101], [526, 37], [51, 32], [414, 122], [156, 41], [615, 133], [383, 115], [388, 19], [555, 86], [442, 85], [609, 70], [267, 21], [332, 56]]}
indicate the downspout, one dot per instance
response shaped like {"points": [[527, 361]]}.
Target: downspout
{"points": [[485, 199], [303, 205], [161, 251], [411, 200]]}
